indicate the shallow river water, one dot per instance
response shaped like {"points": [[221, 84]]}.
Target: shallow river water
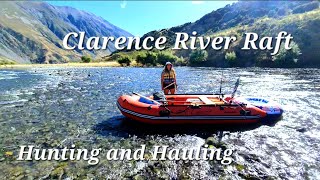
{"points": [[58, 107]]}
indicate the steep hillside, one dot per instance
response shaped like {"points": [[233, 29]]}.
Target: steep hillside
{"points": [[303, 27], [245, 13], [238, 14], [33, 32], [267, 18]]}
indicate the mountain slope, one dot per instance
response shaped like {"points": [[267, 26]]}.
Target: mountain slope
{"points": [[33, 32], [303, 27], [241, 13], [266, 18], [244, 13]]}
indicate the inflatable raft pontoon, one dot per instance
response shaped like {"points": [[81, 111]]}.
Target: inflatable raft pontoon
{"points": [[196, 109]]}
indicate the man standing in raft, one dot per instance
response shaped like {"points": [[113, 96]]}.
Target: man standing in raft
{"points": [[168, 79]]}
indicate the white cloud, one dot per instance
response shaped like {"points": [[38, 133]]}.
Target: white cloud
{"points": [[197, 2], [123, 4]]}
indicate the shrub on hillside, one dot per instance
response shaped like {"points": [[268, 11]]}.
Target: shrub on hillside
{"points": [[164, 57], [86, 59], [157, 57], [125, 60], [141, 58], [287, 58], [149, 59], [231, 58], [181, 62], [197, 57]]}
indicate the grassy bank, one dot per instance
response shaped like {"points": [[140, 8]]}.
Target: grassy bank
{"points": [[65, 65]]}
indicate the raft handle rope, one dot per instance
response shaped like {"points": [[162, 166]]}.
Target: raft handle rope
{"points": [[178, 112]]}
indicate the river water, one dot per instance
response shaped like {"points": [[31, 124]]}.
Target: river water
{"points": [[58, 107]]}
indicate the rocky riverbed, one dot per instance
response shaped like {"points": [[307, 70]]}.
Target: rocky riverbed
{"points": [[60, 107]]}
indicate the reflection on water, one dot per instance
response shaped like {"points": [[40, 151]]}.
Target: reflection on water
{"points": [[53, 108]]}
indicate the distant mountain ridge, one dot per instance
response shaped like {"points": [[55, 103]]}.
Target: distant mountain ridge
{"points": [[32, 32]]}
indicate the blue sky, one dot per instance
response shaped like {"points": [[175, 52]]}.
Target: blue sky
{"points": [[140, 17]]}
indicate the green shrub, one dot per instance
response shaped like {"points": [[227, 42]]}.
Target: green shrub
{"points": [[151, 59], [181, 62], [287, 58], [164, 57], [157, 57], [231, 58], [141, 58], [197, 57], [86, 59], [125, 60]]}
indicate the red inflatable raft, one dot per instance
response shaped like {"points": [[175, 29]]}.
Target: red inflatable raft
{"points": [[188, 109]]}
